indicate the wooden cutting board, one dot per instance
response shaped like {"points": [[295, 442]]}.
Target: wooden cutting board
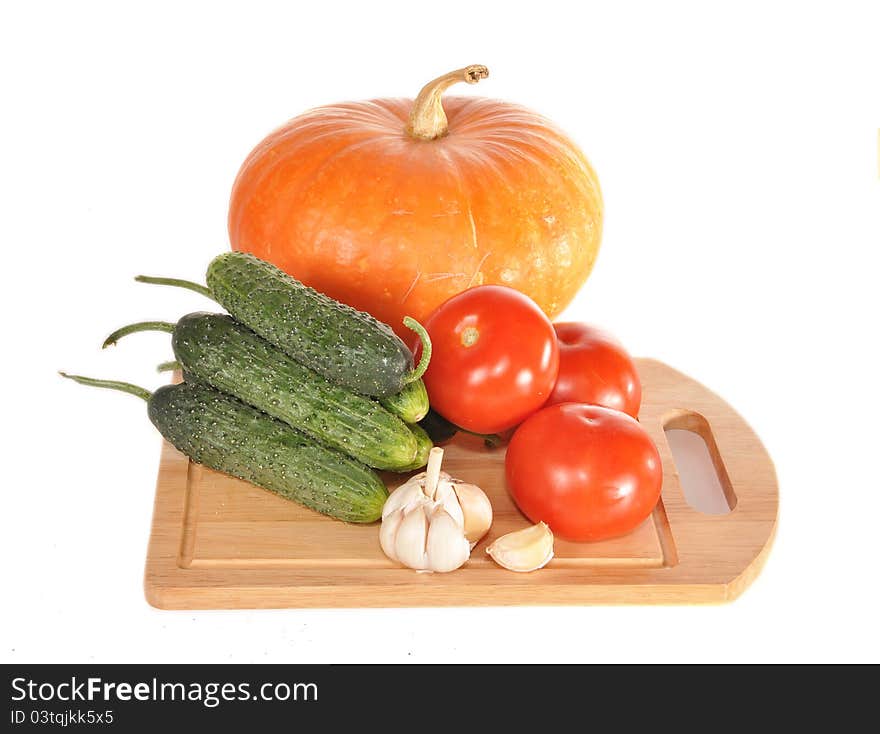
{"points": [[220, 543]]}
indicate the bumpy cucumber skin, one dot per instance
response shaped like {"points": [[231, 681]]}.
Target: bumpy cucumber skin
{"points": [[410, 404], [225, 434], [425, 446], [217, 350], [348, 347]]}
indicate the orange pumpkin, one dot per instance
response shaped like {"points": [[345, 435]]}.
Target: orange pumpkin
{"points": [[394, 205]]}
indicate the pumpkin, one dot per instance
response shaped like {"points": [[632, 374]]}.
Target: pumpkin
{"points": [[395, 205]]}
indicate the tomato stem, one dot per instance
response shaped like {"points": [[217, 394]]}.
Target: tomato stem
{"points": [[139, 326], [492, 440], [422, 366], [110, 385], [168, 366], [470, 336]]}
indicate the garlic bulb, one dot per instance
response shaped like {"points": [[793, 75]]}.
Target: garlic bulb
{"points": [[432, 522], [524, 550]]}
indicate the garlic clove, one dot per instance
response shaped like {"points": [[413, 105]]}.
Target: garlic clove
{"points": [[388, 533], [442, 478], [446, 498], [402, 496], [476, 509], [411, 539], [524, 550], [447, 547], [431, 522]]}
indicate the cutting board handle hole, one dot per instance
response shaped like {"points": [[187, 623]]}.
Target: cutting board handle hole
{"points": [[704, 479]]}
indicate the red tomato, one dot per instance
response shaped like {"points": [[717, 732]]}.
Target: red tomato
{"points": [[495, 358], [594, 368], [589, 472]]}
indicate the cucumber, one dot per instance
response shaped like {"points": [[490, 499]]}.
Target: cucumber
{"points": [[425, 446], [227, 435], [348, 347], [215, 349], [410, 404]]}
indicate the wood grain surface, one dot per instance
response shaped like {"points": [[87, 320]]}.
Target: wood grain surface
{"points": [[220, 543]]}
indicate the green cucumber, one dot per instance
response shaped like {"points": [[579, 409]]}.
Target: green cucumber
{"points": [[425, 446], [215, 349], [223, 433], [410, 404], [350, 348]]}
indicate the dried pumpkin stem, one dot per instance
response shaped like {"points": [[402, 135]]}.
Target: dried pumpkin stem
{"points": [[427, 121]]}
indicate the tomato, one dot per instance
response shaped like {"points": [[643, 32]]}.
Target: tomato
{"points": [[594, 368], [495, 358], [589, 472]]}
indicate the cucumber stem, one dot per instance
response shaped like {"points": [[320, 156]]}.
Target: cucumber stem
{"points": [[110, 385], [422, 366], [177, 283], [168, 366], [139, 326]]}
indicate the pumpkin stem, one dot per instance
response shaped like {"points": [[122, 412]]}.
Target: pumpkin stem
{"points": [[427, 121]]}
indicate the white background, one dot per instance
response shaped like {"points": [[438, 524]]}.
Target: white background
{"points": [[737, 151]]}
